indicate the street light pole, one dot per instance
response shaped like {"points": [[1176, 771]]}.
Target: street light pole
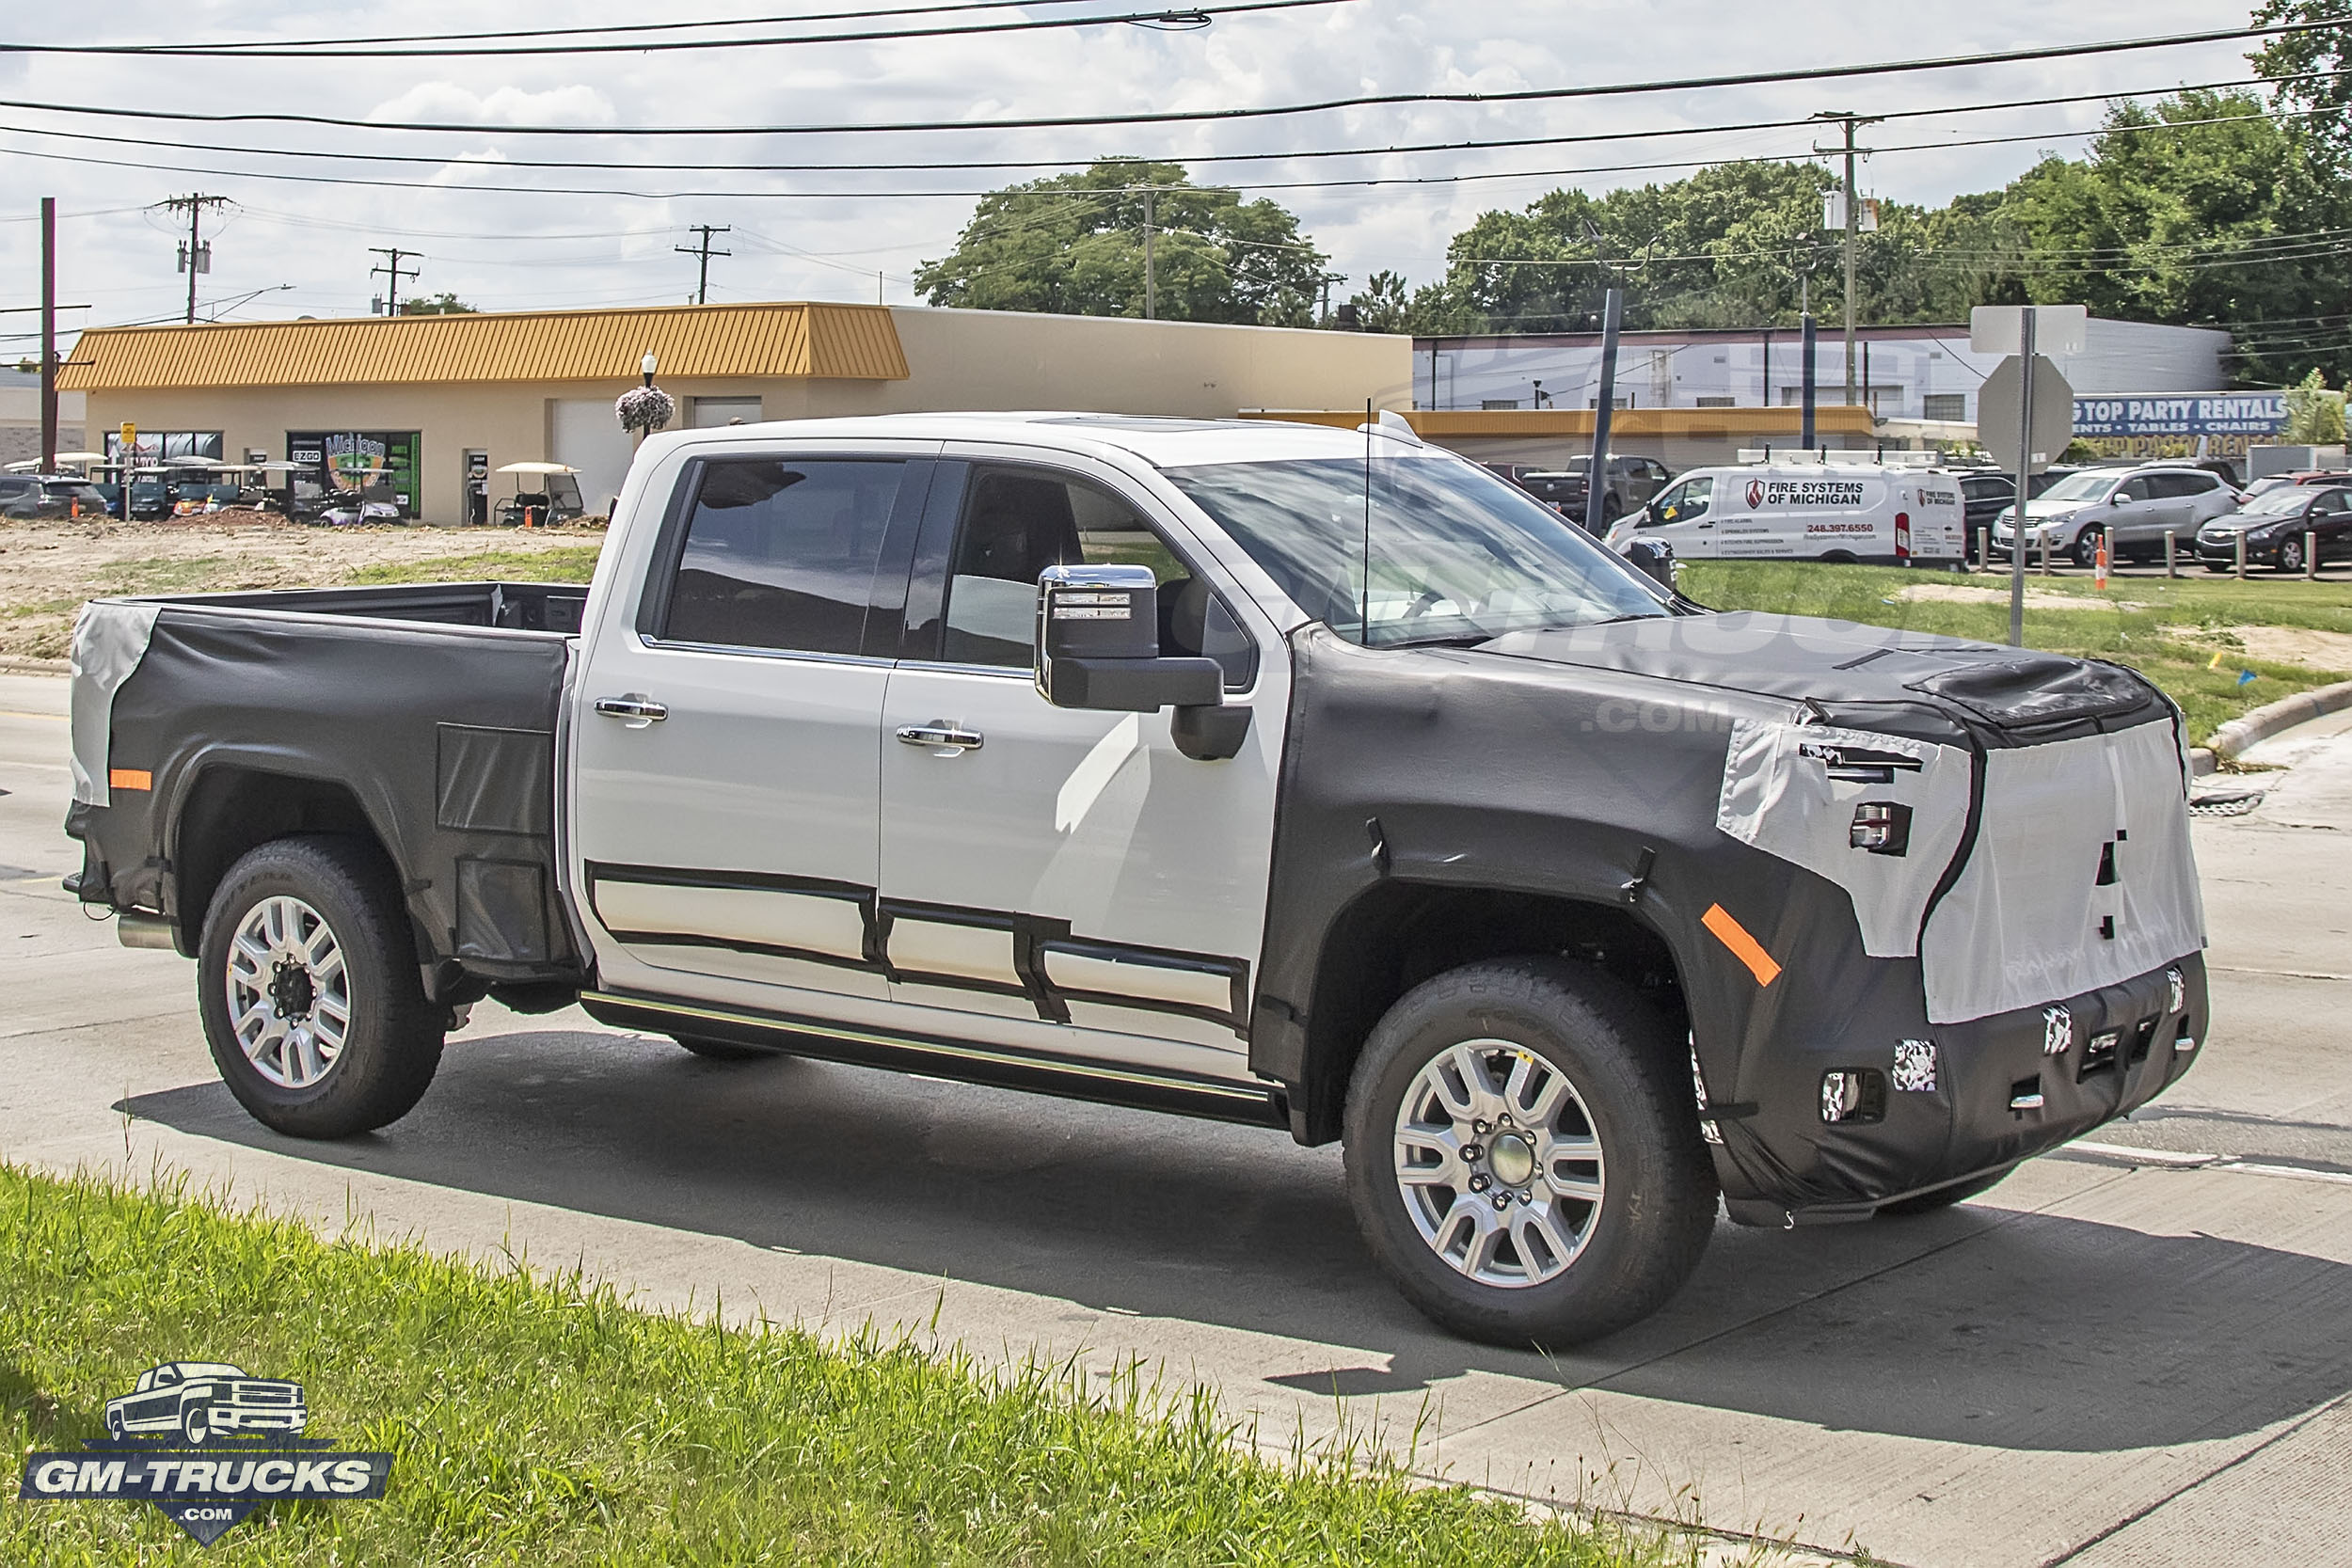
{"points": [[48, 334], [1151, 283], [1853, 122]]}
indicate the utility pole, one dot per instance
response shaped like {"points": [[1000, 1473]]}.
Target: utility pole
{"points": [[1853, 122], [702, 281], [48, 334], [1604, 414], [1151, 284], [195, 255], [390, 266]]}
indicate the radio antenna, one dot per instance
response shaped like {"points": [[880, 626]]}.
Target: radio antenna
{"points": [[1364, 605]]}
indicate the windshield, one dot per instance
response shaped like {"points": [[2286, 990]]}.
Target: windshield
{"points": [[1456, 554], [2280, 502], [2088, 486]]}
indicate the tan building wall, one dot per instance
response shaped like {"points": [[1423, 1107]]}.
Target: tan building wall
{"points": [[956, 359]]}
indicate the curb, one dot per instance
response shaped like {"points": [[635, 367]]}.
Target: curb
{"points": [[19, 664], [2247, 728]]}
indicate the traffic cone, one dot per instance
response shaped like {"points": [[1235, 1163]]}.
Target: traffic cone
{"points": [[2101, 578]]}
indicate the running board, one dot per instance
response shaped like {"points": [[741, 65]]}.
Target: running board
{"points": [[1102, 1082]]}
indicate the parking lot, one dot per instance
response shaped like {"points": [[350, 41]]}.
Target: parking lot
{"points": [[2138, 1351]]}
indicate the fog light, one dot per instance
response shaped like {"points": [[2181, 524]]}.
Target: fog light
{"points": [[1851, 1095], [1882, 827]]}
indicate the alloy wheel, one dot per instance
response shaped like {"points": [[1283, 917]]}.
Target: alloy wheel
{"points": [[288, 992], [1499, 1163]]}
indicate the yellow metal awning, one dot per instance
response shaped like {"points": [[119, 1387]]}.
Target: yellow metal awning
{"points": [[779, 342]]}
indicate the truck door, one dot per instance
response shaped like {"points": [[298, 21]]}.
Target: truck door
{"points": [[726, 768], [1060, 880]]}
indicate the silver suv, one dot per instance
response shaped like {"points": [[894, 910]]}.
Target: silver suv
{"points": [[2133, 509]]}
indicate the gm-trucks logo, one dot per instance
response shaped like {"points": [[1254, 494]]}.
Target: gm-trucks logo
{"points": [[207, 1445]]}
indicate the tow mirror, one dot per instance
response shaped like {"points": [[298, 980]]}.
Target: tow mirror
{"points": [[1098, 646], [1654, 559]]}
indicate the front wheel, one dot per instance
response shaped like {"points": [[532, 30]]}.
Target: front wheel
{"points": [[1524, 1153], [2290, 555], [2085, 551], [306, 979], [196, 1422]]}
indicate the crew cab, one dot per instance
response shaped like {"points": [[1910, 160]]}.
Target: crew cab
{"points": [[201, 1400], [1309, 778]]}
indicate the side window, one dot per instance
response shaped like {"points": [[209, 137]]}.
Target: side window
{"points": [[1019, 521], [2329, 504], [1685, 501], [2135, 489], [781, 554]]}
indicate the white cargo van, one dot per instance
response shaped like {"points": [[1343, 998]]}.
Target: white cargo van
{"points": [[1879, 514]]}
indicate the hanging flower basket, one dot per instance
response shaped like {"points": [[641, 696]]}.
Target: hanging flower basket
{"points": [[646, 408]]}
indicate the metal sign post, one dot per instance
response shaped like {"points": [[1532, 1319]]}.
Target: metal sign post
{"points": [[2024, 480]]}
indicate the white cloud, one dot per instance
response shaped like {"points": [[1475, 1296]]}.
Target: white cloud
{"points": [[515, 250]]}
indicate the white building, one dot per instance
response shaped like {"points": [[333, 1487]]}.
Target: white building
{"points": [[1901, 373]]}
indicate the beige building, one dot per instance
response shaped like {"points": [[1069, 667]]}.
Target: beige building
{"points": [[440, 400], [20, 418]]}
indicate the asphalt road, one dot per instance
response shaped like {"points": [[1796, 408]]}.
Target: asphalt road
{"points": [[2138, 1351]]}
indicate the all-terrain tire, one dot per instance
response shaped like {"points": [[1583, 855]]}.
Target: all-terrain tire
{"points": [[392, 1044], [1657, 1209], [1936, 1199]]}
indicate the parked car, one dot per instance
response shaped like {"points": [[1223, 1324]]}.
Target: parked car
{"points": [[955, 744], [2308, 476], [201, 1400], [2133, 509], [1632, 481], [24, 497], [2274, 524]]}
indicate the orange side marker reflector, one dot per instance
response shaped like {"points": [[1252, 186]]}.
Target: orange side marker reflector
{"points": [[129, 778], [1743, 947]]}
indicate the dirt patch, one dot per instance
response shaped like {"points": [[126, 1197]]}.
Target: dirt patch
{"points": [[2036, 599], [47, 569], [2306, 646]]}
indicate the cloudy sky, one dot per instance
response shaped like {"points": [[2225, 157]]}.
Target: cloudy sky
{"points": [[301, 246]]}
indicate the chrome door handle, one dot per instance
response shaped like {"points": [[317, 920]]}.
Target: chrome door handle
{"points": [[941, 732], [634, 708]]}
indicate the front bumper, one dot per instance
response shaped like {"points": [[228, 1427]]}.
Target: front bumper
{"points": [[2223, 552], [1996, 1092], [275, 1419]]}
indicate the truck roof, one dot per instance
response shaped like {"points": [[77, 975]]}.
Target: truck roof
{"points": [[1165, 442]]}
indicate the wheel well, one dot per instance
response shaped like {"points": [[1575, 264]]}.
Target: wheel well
{"points": [[230, 811], [1402, 933]]}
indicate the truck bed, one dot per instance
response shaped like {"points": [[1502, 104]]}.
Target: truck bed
{"points": [[424, 716]]}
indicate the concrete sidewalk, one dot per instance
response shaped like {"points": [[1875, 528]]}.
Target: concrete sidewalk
{"points": [[2116, 1358]]}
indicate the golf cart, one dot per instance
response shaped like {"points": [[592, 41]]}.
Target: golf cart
{"points": [[556, 498]]}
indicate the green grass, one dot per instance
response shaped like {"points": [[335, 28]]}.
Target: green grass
{"points": [[2143, 622], [545, 1421], [563, 563]]}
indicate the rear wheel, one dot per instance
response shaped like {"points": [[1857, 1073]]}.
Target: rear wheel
{"points": [[308, 984], [1523, 1158], [1936, 1198]]}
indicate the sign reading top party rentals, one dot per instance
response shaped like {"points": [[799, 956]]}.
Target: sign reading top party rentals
{"points": [[2190, 414]]}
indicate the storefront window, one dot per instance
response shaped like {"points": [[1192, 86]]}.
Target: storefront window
{"points": [[373, 464], [153, 445]]}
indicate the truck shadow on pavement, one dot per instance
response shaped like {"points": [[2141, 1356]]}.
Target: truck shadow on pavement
{"points": [[1977, 1326]]}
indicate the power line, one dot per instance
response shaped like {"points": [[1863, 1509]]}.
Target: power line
{"points": [[195, 255], [919, 164], [391, 267], [702, 251], [1528, 95], [1188, 19]]}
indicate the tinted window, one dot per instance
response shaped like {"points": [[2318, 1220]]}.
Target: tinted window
{"points": [[1019, 521], [782, 554]]}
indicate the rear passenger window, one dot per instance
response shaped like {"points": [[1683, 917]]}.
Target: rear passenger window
{"points": [[781, 554], [1018, 522]]}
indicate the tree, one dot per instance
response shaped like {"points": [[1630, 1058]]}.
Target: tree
{"points": [[2314, 414], [2191, 213], [442, 304], [1073, 245], [2309, 71]]}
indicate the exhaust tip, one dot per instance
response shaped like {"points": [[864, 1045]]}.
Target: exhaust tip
{"points": [[134, 928]]}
